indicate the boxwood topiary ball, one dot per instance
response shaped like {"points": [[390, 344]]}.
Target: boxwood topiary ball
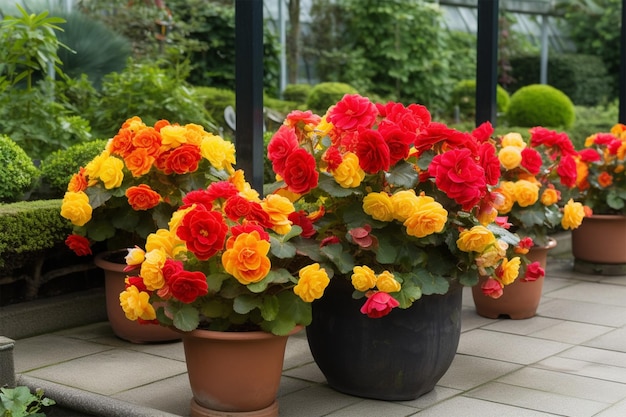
{"points": [[540, 105], [464, 96]]}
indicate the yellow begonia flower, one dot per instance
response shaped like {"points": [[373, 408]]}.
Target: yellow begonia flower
{"points": [[379, 206], [136, 304], [349, 174], [312, 283], [92, 169], [526, 193], [507, 191], [75, 207], [573, 215], [549, 197], [246, 257], [135, 256], [429, 217], [279, 208], [220, 153], [172, 136], [386, 282], [161, 239], [513, 139], [510, 157], [405, 204], [152, 269], [110, 172], [509, 270], [363, 278], [476, 239]]}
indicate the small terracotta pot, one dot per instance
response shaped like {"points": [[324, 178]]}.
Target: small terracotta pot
{"points": [[600, 239], [520, 300], [234, 373], [124, 328]]}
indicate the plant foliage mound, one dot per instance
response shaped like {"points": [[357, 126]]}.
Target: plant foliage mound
{"points": [[541, 105]]}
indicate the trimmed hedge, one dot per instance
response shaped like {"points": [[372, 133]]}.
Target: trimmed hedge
{"points": [[583, 78], [28, 227]]}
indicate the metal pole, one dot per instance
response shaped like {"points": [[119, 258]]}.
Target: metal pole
{"points": [[622, 68], [543, 73], [283, 46], [249, 89], [487, 62]]}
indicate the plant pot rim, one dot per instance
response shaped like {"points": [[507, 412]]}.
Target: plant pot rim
{"points": [[101, 261], [552, 242], [605, 216], [217, 335]]}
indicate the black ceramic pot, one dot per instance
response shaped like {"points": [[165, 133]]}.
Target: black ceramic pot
{"points": [[397, 357]]}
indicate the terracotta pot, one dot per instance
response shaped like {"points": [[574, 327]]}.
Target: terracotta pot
{"points": [[398, 357], [234, 373], [600, 239], [123, 328], [520, 299]]}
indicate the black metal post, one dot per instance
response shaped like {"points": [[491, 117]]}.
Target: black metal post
{"points": [[249, 89], [487, 62], [622, 68]]}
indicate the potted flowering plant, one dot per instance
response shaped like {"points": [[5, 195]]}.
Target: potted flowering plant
{"points": [[131, 189], [218, 274], [404, 213], [602, 185], [535, 175]]}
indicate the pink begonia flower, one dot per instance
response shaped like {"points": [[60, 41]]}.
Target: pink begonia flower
{"points": [[379, 304], [534, 271], [492, 288]]}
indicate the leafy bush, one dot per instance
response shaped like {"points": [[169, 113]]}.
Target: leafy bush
{"points": [[58, 167], [96, 49], [215, 100], [583, 78], [206, 33], [395, 49], [464, 96], [541, 105], [323, 95], [297, 92], [39, 124], [18, 173], [150, 92], [20, 402]]}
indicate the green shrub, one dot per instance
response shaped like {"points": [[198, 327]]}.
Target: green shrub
{"points": [[540, 105], [323, 95], [583, 78], [28, 227], [58, 167], [297, 92], [20, 402], [464, 96], [18, 173], [150, 92], [215, 100]]}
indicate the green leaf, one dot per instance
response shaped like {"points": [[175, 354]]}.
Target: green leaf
{"points": [[185, 317], [614, 201], [270, 307], [282, 250], [468, 278], [328, 184], [403, 175], [343, 260], [431, 283], [245, 303]]}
